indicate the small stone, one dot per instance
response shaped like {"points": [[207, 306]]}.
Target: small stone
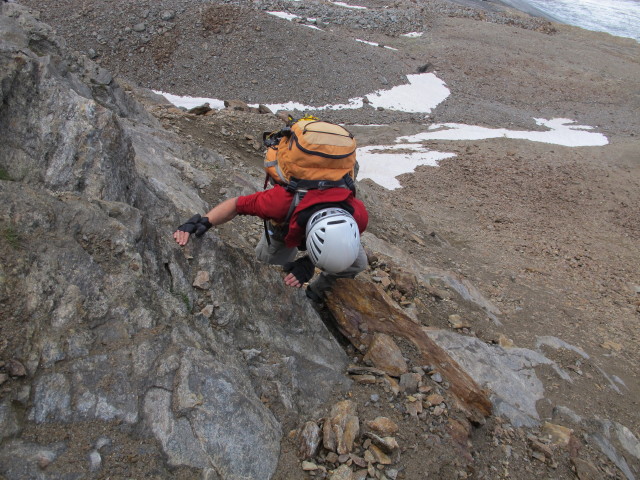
{"points": [[350, 432], [414, 408], [3, 378], [369, 457], [309, 466], [95, 461], [379, 455], [207, 311], [102, 442], [343, 458], [539, 456], [332, 457], [436, 377], [309, 440], [359, 461], [364, 379], [392, 384], [139, 27], [457, 322], [434, 399], [424, 389], [585, 470], [505, 342], [202, 280], [541, 448], [374, 397], [558, 434], [360, 475], [386, 444], [167, 15], [609, 345], [385, 354], [15, 368], [392, 473], [343, 472], [409, 382], [438, 411], [383, 426], [44, 459]]}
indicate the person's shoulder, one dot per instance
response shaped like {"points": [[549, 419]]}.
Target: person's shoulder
{"points": [[279, 191]]}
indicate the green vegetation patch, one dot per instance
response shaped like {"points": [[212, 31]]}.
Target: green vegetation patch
{"points": [[11, 237]]}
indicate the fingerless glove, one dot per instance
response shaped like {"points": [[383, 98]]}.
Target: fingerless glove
{"points": [[302, 269], [196, 224]]}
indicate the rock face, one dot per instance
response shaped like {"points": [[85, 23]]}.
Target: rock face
{"points": [[97, 299]]}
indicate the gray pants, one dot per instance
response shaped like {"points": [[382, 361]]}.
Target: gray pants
{"points": [[278, 254]]}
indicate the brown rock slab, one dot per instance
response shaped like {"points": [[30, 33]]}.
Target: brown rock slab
{"points": [[363, 310]]}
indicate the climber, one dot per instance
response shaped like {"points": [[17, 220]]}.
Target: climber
{"points": [[326, 224]]}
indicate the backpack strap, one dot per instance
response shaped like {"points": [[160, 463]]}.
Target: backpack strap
{"points": [[297, 198], [295, 184]]}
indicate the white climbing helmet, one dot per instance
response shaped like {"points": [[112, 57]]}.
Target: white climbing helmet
{"points": [[333, 239]]}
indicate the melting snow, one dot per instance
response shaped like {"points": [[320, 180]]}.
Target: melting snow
{"points": [[423, 92], [346, 5], [284, 15], [562, 131]]}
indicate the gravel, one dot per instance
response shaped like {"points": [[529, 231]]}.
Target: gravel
{"points": [[235, 50]]}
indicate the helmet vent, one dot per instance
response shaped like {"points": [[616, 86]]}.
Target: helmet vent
{"points": [[335, 222], [316, 248]]}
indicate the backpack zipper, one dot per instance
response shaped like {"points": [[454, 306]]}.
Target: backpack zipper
{"points": [[294, 138]]}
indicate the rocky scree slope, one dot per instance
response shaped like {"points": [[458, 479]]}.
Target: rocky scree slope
{"points": [[235, 49]]}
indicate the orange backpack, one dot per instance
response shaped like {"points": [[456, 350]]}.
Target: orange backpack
{"points": [[308, 154], [311, 154]]}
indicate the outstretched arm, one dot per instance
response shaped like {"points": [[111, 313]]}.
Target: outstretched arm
{"points": [[221, 213]]}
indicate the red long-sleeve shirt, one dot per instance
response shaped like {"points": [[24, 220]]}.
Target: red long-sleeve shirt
{"points": [[273, 204]]}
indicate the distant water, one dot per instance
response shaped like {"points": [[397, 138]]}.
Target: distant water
{"points": [[617, 17]]}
